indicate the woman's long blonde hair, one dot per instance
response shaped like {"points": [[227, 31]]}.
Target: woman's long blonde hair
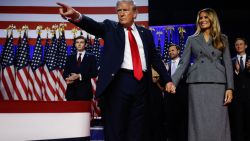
{"points": [[215, 30]]}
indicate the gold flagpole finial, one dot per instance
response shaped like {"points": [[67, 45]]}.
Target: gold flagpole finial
{"points": [[159, 33], [170, 28], [74, 31], [181, 31], [39, 29], [47, 29], [151, 29], [54, 28], [12, 27], [62, 27], [25, 28]]}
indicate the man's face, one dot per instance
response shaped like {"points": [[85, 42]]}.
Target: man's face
{"points": [[173, 52], [126, 14], [240, 46], [80, 44]]}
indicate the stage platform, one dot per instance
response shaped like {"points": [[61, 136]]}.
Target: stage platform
{"points": [[40, 120]]}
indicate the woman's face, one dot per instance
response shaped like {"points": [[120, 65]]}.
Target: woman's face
{"points": [[204, 21]]}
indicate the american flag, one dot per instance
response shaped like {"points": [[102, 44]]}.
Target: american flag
{"points": [[96, 50], [22, 71], [8, 71], [45, 13], [46, 47], [165, 55], [1, 56], [61, 61], [158, 48], [35, 81], [88, 46], [73, 48], [49, 75], [181, 39]]}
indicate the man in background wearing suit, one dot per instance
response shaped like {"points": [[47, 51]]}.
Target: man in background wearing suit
{"points": [[240, 107], [175, 106], [125, 75], [78, 71]]}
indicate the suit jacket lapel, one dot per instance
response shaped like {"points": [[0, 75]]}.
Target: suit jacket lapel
{"points": [[121, 35], [145, 45], [203, 45]]}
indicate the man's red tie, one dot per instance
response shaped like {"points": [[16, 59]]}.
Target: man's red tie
{"points": [[137, 66], [79, 59]]}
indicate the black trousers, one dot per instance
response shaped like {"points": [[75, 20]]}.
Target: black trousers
{"points": [[124, 108], [239, 115], [176, 114]]}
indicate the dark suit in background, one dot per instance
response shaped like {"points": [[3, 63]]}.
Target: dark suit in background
{"points": [[176, 112], [240, 107], [80, 89]]}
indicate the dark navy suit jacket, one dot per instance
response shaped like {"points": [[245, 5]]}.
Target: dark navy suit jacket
{"points": [[241, 80], [113, 53], [80, 90]]}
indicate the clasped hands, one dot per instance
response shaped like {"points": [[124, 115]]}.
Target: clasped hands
{"points": [[170, 88], [72, 77]]}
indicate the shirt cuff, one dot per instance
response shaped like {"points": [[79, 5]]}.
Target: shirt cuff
{"points": [[79, 17], [236, 72], [80, 77]]}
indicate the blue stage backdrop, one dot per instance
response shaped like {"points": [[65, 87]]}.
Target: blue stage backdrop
{"points": [[165, 35]]}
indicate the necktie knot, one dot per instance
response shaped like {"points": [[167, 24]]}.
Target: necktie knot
{"points": [[129, 28]]}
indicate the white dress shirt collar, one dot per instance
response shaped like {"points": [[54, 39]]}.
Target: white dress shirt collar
{"points": [[82, 54]]}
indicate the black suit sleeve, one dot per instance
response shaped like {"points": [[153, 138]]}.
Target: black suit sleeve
{"points": [[157, 63], [91, 26]]}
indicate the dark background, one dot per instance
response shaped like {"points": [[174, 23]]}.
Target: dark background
{"points": [[234, 16]]}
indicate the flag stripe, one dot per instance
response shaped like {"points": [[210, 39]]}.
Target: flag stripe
{"points": [[7, 82], [21, 89], [73, 3], [58, 18], [55, 10], [50, 90], [22, 83], [38, 84], [62, 85]]}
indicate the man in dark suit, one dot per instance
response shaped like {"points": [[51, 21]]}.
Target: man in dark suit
{"points": [[125, 75], [78, 71], [240, 107], [176, 106]]}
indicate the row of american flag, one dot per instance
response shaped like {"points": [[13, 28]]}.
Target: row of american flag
{"points": [[37, 76], [168, 40]]}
